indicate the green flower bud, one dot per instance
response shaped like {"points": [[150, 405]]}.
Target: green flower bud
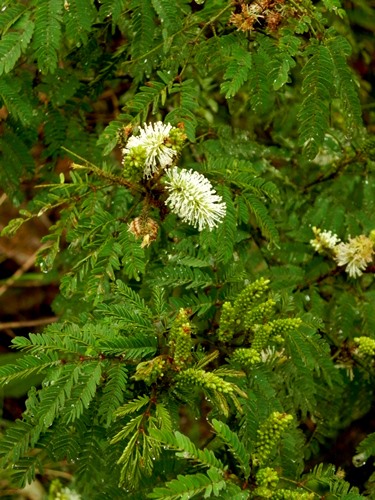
{"points": [[267, 477], [134, 163], [297, 494], [263, 492], [149, 371], [366, 346], [246, 357], [205, 380], [269, 435], [228, 323], [261, 335], [281, 327], [259, 313], [180, 341], [250, 295], [177, 138]]}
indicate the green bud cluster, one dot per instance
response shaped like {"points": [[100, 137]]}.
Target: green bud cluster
{"points": [[206, 380], [233, 317], [269, 435], [263, 492], [180, 342], [246, 357], [134, 163], [298, 494], [280, 327], [267, 477], [258, 313], [149, 371], [250, 295], [176, 139], [228, 323], [262, 334], [366, 346]]}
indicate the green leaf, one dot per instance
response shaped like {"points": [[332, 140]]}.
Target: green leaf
{"points": [[236, 447], [187, 449], [47, 35], [237, 72], [340, 49], [318, 89], [185, 487], [14, 43]]}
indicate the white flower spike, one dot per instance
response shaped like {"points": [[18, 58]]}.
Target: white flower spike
{"points": [[324, 240], [355, 254], [193, 199], [153, 137]]}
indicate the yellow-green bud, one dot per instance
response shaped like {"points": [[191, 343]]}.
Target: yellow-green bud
{"points": [[149, 371], [246, 357], [366, 346], [259, 313], [134, 163], [228, 323], [180, 342], [284, 326], [267, 477], [250, 295], [269, 435], [261, 335], [297, 494], [176, 139], [206, 380]]}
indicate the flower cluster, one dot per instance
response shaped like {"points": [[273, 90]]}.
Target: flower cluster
{"points": [[193, 199], [245, 310], [155, 147], [206, 380], [324, 240], [270, 434], [268, 12], [150, 371], [366, 346], [355, 255], [190, 195], [180, 342], [146, 228]]}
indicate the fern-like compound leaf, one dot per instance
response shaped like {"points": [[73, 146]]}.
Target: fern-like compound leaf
{"points": [[13, 43], [318, 89], [187, 449], [47, 35], [237, 72], [144, 34], [340, 49], [79, 19], [233, 442], [185, 487]]}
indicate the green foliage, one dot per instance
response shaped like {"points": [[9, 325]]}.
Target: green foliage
{"points": [[15, 42], [47, 36], [218, 359], [318, 87]]}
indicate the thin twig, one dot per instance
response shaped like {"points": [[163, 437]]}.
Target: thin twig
{"points": [[20, 271], [28, 323]]}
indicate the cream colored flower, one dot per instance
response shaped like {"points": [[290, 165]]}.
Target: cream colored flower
{"points": [[154, 139], [324, 240], [193, 199], [355, 254]]}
